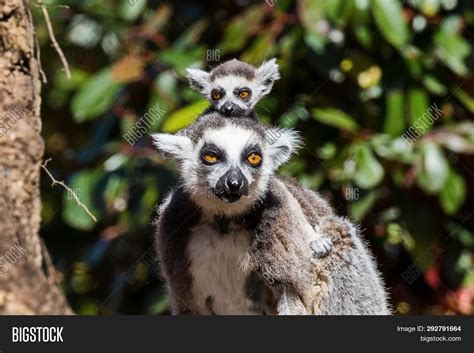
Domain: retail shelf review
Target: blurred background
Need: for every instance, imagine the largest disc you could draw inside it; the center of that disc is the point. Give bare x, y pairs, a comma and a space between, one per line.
382, 91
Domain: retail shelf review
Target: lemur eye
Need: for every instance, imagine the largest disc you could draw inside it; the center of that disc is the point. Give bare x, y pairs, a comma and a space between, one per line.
254, 159
244, 93
216, 94
210, 158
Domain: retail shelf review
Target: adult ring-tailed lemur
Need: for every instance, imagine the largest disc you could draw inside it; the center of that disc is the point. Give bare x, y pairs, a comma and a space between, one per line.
233, 238
234, 88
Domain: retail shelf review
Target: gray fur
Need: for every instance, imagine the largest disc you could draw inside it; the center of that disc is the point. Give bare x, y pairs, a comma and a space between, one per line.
276, 272
212, 120
233, 67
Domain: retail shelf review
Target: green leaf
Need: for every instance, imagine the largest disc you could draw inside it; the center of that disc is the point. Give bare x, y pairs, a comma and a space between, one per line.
363, 35
359, 208
115, 189
392, 148
336, 11
389, 18
95, 7
131, 10
394, 116
150, 197
315, 42
464, 98
418, 104
463, 235
429, 7
260, 49
369, 172
184, 116
434, 168
332, 8
360, 22
180, 60
82, 184
291, 117
311, 13
287, 46
453, 193
191, 36
160, 306
468, 281
345, 13
433, 85
239, 30
336, 118
451, 47
78, 77
95, 96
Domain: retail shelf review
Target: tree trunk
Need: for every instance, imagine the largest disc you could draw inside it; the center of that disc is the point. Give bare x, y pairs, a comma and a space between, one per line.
28, 282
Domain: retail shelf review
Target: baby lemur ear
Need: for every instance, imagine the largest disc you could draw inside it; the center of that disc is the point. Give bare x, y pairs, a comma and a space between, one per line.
267, 74
198, 79
282, 144
173, 146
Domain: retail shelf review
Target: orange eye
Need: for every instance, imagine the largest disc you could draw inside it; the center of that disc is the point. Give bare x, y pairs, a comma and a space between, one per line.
216, 95
210, 158
244, 94
254, 159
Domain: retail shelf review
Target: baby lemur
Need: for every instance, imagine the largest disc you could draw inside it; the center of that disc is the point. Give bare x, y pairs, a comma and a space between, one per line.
234, 88
245, 249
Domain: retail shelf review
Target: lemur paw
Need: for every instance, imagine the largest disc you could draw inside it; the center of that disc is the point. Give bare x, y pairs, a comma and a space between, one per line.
321, 246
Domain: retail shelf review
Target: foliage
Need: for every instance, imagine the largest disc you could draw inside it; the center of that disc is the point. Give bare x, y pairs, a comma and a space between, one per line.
381, 90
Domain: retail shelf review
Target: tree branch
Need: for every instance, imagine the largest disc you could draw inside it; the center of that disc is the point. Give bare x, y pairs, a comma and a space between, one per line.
58, 182
53, 38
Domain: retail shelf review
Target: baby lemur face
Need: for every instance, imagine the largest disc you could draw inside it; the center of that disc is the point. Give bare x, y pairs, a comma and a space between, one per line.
234, 87
227, 164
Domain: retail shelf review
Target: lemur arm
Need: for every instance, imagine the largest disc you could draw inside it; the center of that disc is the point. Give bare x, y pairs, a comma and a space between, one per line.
280, 251
315, 209
314, 206
331, 229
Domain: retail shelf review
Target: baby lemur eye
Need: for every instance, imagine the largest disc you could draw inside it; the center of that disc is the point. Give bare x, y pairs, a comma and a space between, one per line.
216, 94
254, 159
245, 93
210, 158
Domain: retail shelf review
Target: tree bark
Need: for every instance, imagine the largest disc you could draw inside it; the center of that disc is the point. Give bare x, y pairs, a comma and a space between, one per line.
28, 282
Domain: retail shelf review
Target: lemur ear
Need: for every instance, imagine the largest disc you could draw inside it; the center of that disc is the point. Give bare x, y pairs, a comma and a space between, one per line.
282, 144
198, 79
267, 74
173, 146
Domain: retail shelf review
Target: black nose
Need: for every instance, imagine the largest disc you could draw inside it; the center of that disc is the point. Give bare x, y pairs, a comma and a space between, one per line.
228, 108
232, 186
234, 181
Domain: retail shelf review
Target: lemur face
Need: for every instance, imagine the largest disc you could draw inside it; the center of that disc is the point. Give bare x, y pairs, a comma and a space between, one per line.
234, 87
233, 95
228, 168
230, 163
